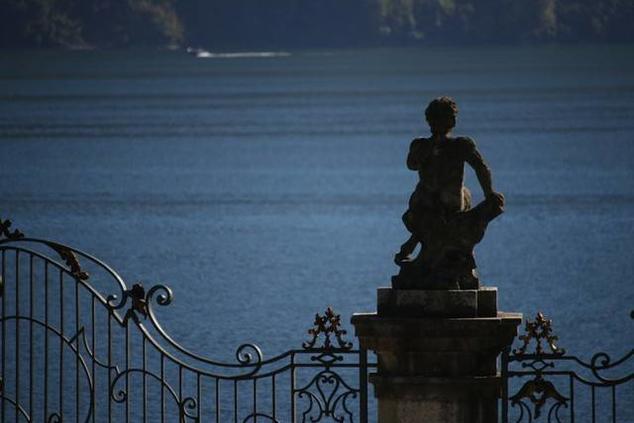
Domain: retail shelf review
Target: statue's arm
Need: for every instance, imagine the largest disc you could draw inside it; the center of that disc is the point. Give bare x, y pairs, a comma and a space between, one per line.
414, 156
475, 160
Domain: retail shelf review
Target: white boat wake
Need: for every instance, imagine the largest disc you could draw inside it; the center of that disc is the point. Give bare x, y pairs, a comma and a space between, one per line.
204, 54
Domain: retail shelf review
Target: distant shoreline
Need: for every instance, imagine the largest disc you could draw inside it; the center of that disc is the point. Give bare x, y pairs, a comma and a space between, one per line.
282, 51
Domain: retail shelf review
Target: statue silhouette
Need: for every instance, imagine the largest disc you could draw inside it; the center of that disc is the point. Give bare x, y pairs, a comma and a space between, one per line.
440, 217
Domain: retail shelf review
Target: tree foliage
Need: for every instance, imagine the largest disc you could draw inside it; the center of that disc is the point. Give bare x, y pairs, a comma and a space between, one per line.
305, 23
508, 21
79, 23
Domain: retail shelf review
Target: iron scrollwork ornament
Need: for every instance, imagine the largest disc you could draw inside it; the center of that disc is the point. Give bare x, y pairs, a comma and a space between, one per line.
139, 301
538, 391
327, 395
71, 260
5, 232
539, 330
327, 325
187, 406
64, 252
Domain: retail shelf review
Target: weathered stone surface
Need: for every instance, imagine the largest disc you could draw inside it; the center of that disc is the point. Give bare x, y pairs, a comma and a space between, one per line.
487, 301
437, 303
424, 399
422, 303
436, 388
437, 369
373, 325
436, 347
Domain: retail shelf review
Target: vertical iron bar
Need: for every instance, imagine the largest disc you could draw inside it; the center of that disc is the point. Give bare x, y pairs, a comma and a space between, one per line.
4, 306
144, 381
292, 387
363, 385
162, 388
181, 409
572, 400
255, 400
31, 382
46, 339
127, 375
273, 394
199, 398
235, 401
594, 414
504, 364
180, 383
110, 317
60, 386
217, 400
77, 355
613, 403
94, 353
17, 333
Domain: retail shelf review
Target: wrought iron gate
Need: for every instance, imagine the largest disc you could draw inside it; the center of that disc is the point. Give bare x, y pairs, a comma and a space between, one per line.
541, 382
74, 351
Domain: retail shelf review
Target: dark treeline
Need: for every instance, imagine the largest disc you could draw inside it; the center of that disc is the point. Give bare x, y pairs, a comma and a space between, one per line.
226, 24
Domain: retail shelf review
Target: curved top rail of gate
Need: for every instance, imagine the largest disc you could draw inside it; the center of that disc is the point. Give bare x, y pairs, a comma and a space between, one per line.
539, 349
138, 304
49, 289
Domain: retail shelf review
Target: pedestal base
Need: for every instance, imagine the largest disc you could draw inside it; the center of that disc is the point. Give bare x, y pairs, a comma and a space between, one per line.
480, 302
414, 400
436, 369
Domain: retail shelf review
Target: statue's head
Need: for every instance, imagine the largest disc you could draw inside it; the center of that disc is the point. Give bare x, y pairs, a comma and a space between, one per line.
441, 115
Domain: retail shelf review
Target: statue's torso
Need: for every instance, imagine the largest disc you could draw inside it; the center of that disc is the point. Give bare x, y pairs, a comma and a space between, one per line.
441, 172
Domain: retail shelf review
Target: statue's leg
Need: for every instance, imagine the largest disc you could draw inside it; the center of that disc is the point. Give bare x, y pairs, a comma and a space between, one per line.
473, 223
408, 247
406, 250
466, 229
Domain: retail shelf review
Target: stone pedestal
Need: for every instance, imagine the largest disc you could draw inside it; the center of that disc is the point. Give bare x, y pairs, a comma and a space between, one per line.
437, 354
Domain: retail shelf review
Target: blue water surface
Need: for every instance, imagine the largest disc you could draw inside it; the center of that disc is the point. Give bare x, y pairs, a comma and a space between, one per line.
264, 189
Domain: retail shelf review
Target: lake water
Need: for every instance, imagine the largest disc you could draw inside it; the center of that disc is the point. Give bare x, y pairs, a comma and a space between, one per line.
264, 189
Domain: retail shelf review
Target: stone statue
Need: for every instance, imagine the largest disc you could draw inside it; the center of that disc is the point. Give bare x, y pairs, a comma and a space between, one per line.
440, 217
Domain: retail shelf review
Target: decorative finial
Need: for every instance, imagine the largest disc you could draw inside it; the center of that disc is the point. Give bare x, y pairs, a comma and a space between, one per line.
138, 299
539, 329
137, 294
8, 234
328, 324
71, 260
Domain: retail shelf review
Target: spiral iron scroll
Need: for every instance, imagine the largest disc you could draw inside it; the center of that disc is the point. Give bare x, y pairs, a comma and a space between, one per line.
324, 398
602, 361
185, 405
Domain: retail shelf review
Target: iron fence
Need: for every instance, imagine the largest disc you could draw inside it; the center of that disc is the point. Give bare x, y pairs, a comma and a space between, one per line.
541, 382
73, 351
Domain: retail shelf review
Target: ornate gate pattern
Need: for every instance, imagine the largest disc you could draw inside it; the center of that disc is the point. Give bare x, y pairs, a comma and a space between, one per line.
549, 385
79, 345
